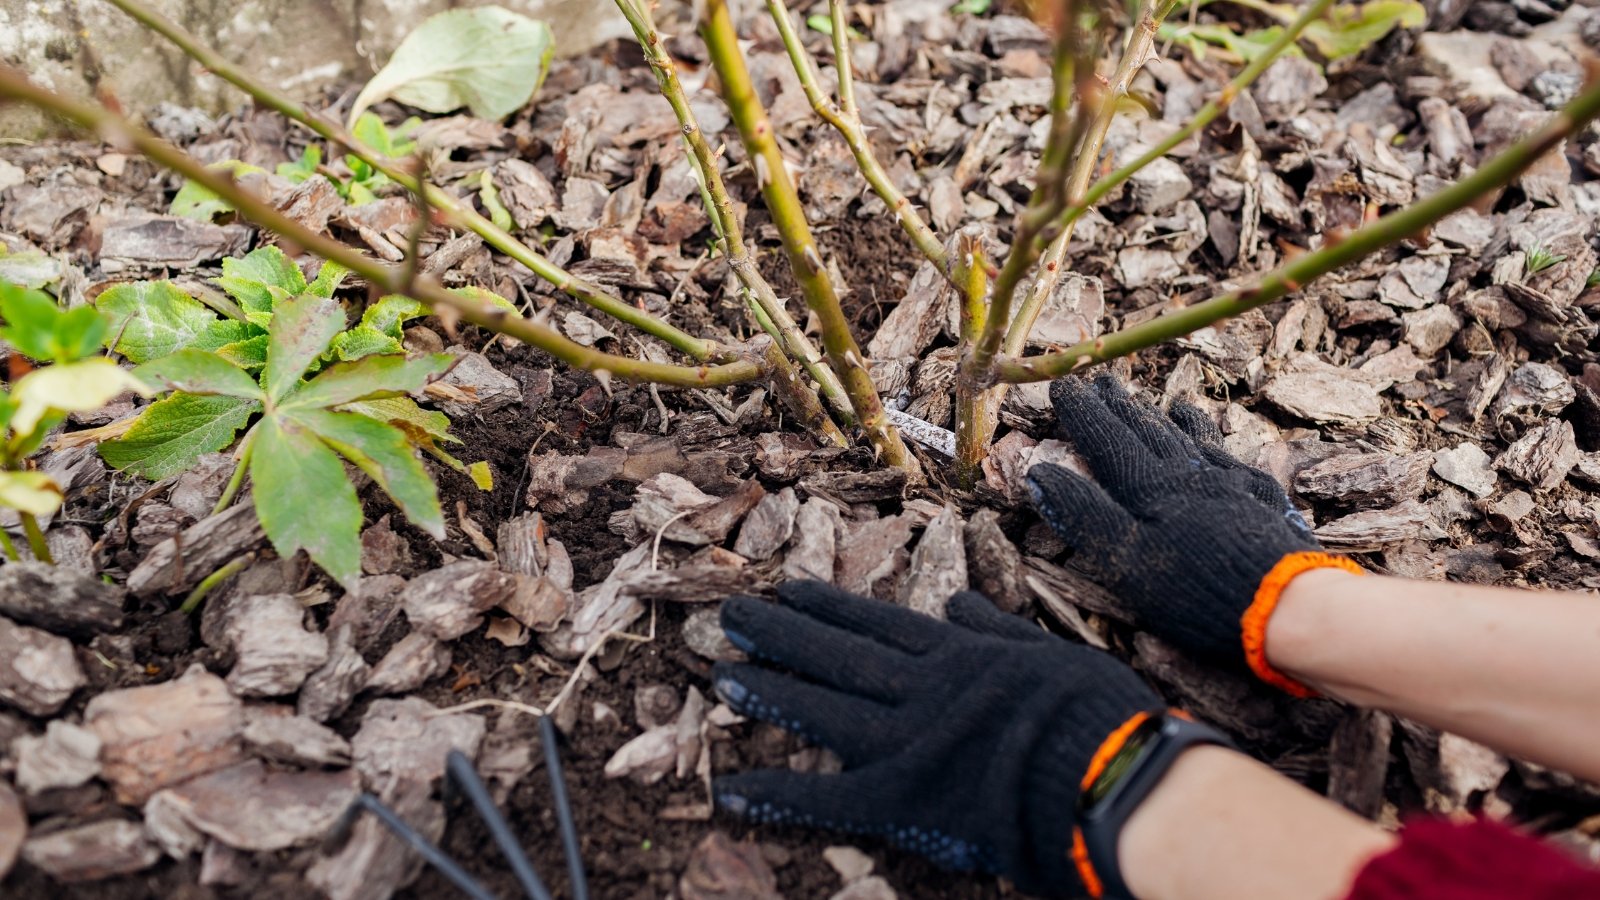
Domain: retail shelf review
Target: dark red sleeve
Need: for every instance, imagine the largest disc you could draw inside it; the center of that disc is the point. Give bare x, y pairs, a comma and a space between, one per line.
1476, 860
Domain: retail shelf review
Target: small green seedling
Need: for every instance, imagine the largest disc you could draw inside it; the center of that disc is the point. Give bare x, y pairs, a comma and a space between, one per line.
305, 420
1539, 259
364, 182
194, 201
1349, 28
74, 379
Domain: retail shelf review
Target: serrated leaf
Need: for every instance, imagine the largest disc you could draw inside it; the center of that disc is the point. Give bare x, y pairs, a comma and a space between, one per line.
196, 201
383, 452
302, 329
174, 432
43, 331
485, 58
391, 312
303, 498
423, 426
151, 319
329, 277
364, 340
34, 493
250, 279
368, 378
481, 475
200, 372
69, 387
249, 354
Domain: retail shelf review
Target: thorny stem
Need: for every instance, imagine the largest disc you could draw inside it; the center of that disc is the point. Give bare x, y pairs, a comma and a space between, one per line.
210, 582
845, 118
769, 310
1016, 339
455, 212
36, 541
236, 480
783, 203
117, 130
1399, 225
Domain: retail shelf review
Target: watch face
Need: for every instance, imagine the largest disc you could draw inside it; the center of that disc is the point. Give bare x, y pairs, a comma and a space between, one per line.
1131, 752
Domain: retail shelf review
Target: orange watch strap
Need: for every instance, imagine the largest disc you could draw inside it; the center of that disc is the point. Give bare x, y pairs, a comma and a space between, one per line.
1253, 624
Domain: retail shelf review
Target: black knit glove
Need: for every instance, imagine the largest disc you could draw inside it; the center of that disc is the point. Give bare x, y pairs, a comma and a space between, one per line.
1196, 543
964, 741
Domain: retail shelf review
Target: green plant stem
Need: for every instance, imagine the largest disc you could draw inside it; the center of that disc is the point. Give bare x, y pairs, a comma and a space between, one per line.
384, 277
783, 203
236, 480
770, 311
454, 212
9, 547
846, 119
1336, 252
210, 582
1028, 313
36, 541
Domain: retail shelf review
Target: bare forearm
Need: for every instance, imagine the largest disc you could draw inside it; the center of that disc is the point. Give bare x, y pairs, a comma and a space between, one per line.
1517, 670
1221, 825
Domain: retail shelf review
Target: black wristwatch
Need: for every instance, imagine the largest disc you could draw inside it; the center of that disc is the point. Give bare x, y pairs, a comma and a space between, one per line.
1106, 804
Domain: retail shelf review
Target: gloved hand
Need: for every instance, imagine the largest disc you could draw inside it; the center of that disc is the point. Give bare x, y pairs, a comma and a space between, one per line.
965, 741
1197, 544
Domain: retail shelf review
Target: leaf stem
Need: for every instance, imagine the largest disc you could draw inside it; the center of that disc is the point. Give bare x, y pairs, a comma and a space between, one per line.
783, 203
208, 584
16, 86
455, 212
36, 541
1335, 252
240, 466
9, 547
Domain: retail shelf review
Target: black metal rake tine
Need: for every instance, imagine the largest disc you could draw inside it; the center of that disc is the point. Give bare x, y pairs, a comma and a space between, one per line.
465, 778
563, 804
429, 851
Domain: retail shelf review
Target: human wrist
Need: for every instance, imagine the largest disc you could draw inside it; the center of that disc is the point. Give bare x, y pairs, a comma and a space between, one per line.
1299, 630
1260, 630
1166, 819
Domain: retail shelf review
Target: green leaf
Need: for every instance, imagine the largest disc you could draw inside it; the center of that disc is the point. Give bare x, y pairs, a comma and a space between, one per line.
43, 331
249, 354
364, 340
328, 279
498, 214
391, 312
482, 475
303, 498
383, 452
824, 23
67, 388
359, 194
390, 142
151, 319
302, 328
1350, 28
251, 280
200, 372
485, 58
304, 167
368, 378
423, 426
31, 270
172, 433
195, 201
34, 493
972, 7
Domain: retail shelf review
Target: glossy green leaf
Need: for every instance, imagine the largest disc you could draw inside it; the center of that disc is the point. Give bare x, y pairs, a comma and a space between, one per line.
368, 378
302, 328
304, 499
364, 340
69, 387
200, 372
150, 319
485, 58
34, 493
195, 201
172, 433
383, 452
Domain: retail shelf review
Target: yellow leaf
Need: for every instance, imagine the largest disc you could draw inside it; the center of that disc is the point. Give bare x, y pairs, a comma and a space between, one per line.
481, 476
70, 387
30, 492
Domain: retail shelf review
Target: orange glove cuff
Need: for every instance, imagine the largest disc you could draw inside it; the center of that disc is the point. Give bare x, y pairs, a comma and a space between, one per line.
1109, 748
1253, 624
